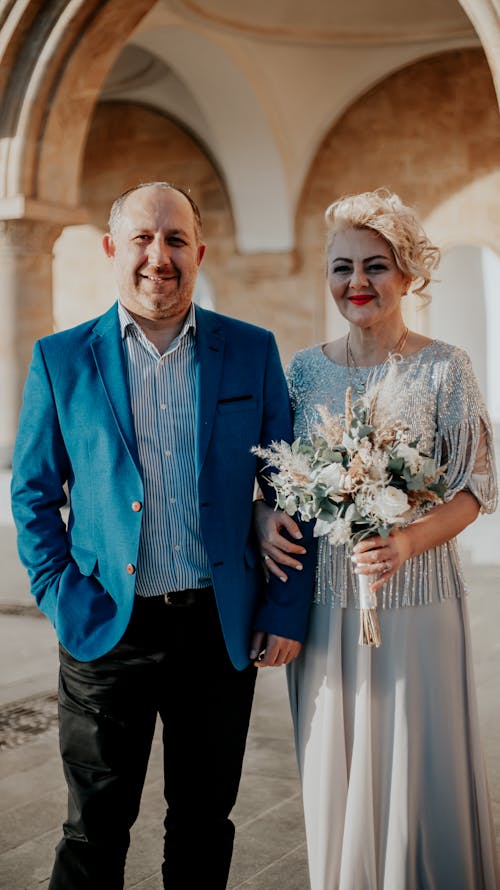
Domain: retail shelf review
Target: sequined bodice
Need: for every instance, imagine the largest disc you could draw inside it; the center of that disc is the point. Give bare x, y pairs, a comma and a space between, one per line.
434, 391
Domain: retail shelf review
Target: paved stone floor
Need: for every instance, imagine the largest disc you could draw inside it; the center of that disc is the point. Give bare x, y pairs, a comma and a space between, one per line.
270, 849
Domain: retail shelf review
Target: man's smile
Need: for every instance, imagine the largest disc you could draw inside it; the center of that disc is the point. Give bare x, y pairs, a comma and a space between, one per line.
158, 277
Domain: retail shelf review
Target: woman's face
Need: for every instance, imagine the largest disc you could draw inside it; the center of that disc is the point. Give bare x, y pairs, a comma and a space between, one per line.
364, 280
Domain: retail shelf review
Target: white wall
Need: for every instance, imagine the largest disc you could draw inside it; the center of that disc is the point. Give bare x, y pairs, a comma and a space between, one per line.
465, 310
457, 313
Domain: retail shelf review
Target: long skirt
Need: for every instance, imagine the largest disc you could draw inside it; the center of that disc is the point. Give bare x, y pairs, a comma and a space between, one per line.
394, 785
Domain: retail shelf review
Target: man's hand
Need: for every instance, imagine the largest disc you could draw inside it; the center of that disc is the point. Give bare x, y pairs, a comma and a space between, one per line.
269, 650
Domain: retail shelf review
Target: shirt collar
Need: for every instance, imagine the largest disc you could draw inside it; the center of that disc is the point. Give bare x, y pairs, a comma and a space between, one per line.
128, 324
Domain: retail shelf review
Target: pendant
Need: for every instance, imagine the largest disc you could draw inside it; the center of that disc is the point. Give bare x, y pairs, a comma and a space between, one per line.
360, 388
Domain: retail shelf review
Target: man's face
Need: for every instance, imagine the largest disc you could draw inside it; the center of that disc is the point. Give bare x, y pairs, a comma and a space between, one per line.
155, 254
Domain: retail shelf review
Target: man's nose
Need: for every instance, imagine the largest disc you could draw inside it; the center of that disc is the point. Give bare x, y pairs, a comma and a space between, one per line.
159, 252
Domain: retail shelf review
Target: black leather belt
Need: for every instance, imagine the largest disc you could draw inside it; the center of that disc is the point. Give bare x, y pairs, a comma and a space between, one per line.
191, 597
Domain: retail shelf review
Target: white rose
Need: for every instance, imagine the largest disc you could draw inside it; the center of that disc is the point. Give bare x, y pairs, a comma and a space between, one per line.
332, 477
390, 504
340, 531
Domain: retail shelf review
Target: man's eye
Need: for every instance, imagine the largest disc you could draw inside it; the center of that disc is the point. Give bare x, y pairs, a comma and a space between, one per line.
141, 238
176, 241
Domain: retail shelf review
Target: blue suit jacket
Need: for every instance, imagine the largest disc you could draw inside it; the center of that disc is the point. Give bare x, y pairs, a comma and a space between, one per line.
76, 434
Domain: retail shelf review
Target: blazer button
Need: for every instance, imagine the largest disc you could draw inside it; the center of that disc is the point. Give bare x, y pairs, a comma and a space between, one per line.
130, 569
136, 506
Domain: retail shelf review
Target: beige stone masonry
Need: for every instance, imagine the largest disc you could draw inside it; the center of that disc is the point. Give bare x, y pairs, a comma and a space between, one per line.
26, 260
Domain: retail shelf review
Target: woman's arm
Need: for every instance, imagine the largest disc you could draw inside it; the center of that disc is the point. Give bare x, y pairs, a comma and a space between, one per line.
373, 556
384, 556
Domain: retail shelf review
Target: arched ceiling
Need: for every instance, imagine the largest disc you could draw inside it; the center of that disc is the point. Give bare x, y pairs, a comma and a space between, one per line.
261, 94
358, 21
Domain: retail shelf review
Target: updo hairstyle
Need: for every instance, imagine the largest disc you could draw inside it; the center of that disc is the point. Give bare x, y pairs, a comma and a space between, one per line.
384, 213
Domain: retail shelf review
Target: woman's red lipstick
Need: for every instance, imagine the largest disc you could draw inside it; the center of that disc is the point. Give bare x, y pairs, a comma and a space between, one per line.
361, 299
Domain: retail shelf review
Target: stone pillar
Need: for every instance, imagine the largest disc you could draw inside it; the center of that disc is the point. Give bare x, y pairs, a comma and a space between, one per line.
26, 311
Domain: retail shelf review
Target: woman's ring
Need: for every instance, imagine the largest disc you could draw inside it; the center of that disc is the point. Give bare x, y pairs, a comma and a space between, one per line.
388, 565
265, 557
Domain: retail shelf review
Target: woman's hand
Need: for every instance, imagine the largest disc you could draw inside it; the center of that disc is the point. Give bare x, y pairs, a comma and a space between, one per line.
381, 557
276, 549
384, 556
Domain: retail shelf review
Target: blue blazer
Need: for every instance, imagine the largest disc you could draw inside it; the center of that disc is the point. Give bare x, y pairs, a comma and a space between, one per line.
76, 436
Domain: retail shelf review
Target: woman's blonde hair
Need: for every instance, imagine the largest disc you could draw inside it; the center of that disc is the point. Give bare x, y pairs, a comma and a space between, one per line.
384, 213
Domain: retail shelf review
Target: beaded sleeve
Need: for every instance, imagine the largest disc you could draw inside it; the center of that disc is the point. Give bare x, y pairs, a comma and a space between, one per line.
464, 437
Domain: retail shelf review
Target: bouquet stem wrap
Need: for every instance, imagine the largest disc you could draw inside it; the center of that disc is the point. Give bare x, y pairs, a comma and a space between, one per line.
369, 630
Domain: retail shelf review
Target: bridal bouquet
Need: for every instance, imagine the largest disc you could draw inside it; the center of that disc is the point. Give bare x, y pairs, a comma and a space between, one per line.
357, 477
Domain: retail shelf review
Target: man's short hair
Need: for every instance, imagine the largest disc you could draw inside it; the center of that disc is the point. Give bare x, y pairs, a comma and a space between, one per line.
117, 206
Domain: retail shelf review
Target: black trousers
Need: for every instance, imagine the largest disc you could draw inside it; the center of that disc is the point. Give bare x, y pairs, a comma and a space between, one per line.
172, 661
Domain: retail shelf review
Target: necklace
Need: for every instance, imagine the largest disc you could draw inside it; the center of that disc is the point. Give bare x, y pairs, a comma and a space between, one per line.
355, 375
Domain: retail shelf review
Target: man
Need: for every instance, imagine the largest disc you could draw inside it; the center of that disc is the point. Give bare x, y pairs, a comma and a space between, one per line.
147, 416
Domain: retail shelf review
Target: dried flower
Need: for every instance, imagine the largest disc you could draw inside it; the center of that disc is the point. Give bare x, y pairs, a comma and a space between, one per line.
354, 478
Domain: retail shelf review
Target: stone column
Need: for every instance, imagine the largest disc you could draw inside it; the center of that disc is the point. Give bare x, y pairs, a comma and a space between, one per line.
26, 312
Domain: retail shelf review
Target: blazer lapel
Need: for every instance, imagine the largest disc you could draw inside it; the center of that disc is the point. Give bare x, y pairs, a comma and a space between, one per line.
210, 354
107, 348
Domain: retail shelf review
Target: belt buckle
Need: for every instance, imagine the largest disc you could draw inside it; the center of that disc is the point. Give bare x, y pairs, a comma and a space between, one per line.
174, 598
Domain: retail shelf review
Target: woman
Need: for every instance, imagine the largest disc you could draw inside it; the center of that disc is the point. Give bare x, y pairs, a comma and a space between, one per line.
394, 787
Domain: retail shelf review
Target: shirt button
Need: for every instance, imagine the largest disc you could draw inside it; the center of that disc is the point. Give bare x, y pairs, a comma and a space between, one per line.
136, 506
177, 547
163, 406
168, 453
130, 569
173, 501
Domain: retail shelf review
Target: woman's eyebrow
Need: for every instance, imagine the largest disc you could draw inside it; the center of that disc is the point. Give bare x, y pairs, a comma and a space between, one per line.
377, 256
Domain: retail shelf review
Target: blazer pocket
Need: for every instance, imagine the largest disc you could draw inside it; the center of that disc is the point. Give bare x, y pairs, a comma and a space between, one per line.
86, 560
239, 403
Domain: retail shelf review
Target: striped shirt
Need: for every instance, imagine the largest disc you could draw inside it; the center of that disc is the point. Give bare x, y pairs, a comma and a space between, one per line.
171, 555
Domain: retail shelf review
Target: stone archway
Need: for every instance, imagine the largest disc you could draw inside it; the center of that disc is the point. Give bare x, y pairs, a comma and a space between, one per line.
54, 58
485, 16
58, 56
430, 131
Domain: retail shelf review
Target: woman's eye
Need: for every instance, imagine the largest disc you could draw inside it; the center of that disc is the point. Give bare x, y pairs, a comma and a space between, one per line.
341, 270
376, 267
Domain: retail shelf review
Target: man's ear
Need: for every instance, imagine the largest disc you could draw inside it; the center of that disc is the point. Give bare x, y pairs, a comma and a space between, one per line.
201, 251
108, 245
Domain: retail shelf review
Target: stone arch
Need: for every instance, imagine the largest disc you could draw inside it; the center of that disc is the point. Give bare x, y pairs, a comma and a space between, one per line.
484, 15
412, 133
242, 129
58, 55
129, 143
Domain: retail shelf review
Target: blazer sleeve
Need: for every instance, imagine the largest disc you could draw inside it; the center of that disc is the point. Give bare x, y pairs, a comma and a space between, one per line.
284, 606
41, 468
